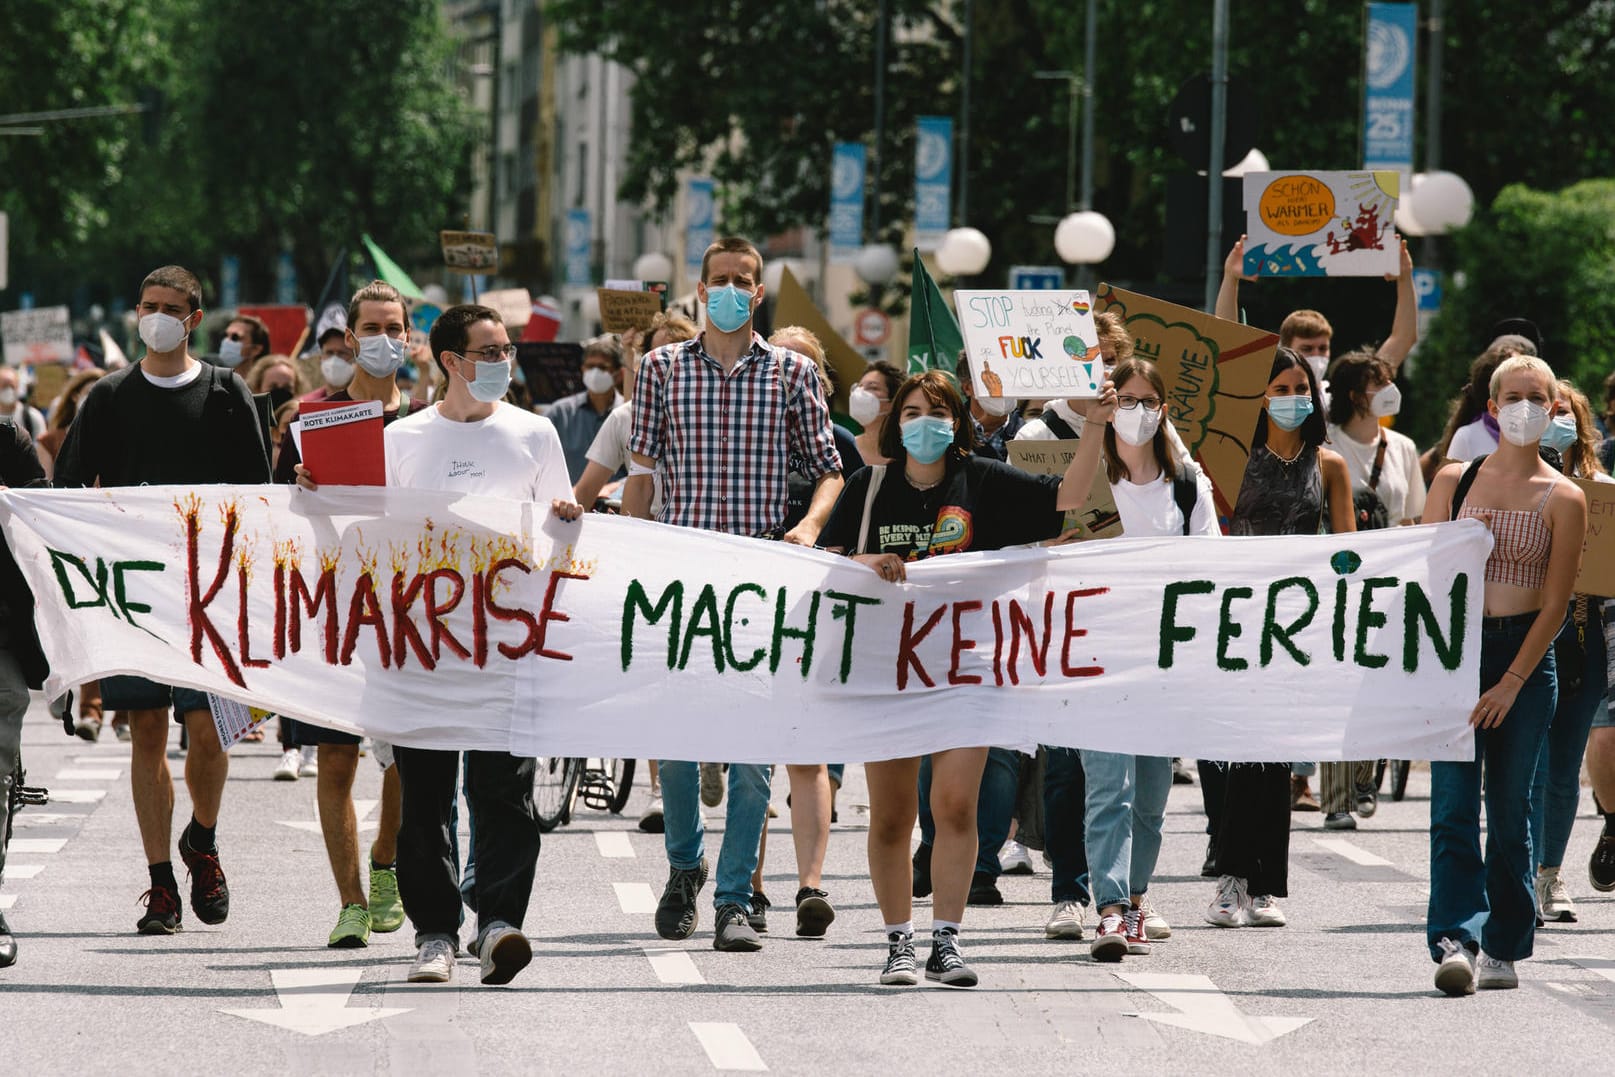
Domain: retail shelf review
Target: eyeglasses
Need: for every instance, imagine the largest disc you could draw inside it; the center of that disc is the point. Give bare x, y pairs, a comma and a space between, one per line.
1128, 403
235, 336
493, 353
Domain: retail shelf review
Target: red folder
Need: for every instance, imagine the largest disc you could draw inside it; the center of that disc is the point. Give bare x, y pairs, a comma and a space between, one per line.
345, 446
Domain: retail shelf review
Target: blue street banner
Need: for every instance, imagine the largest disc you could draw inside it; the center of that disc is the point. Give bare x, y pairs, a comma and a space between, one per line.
577, 248
229, 282
699, 231
285, 279
933, 180
1388, 69
846, 201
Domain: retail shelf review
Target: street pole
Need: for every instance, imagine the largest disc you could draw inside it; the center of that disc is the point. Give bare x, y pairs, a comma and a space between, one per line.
880, 119
1219, 117
1090, 51
1432, 117
961, 217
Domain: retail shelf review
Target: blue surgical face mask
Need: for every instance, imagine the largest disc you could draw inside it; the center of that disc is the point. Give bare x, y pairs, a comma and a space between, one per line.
927, 437
728, 308
1561, 433
381, 355
492, 380
1289, 412
230, 353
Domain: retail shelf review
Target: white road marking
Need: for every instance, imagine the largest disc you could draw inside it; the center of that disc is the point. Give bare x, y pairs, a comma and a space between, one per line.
7, 901
674, 967
635, 898
361, 808
88, 775
1203, 1008
613, 843
37, 845
1355, 853
314, 1001
101, 760
78, 796
23, 871
727, 1046
1600, 966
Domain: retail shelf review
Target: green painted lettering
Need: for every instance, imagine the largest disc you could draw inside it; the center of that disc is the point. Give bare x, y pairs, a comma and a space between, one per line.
1228, 628
636, 602
1416, 610
1368, 618
1272, 630
1173, 633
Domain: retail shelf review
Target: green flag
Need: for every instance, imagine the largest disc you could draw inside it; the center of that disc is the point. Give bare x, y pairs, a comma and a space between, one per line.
388, 270
934, 340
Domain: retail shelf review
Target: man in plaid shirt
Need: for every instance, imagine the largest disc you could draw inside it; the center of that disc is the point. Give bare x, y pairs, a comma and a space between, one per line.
725, 417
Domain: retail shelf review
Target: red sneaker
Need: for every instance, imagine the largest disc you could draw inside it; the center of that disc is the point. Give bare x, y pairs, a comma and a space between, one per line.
210, 895
1137, 940
1110, 939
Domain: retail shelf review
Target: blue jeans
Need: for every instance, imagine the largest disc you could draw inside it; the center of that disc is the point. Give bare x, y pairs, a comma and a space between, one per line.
745, 814
995, 806
1065, 824
1557, 790
1125, 809
1491, 902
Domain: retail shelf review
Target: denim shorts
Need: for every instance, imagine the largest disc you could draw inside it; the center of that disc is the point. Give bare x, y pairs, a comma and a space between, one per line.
139, 694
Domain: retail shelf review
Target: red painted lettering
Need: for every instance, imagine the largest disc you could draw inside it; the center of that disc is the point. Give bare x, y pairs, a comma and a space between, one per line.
404, 630
435, 612
365, 609
911, 639
549, 613
1021, 622
960, 645
1073, 632
199, 600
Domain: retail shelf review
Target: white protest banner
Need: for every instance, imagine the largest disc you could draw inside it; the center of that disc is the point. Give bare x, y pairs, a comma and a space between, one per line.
40, 335
458, 622
1037, 345
1321, 224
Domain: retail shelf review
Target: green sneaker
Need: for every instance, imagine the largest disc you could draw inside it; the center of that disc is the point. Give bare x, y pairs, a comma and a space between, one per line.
352, 928
386, 909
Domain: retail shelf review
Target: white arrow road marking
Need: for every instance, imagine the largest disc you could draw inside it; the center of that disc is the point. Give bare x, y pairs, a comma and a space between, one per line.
77, 796
613, 843
727, 1046
7, 901
315, 1001
37, 845
1203, 1008
674, 967
361, 808
1600, 966
87, 775
23, 871
635, 898
1355, 853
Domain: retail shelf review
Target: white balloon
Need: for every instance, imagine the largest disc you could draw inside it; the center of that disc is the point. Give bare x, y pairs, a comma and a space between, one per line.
964, 252
1443, 202
653, 266
876, 264
1084, 238
1406, 223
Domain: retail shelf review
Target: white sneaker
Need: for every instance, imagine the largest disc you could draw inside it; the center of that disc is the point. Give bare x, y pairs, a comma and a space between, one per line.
1265, 911
435, 963
504, 951
1456, 974
286, 769
1492, 974
1065, 922
1155, 925
1231, 906
310, 765
653, 822
1015, 859
1552, 899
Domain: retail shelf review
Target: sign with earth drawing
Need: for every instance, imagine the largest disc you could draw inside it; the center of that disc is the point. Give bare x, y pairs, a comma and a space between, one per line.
1032, 345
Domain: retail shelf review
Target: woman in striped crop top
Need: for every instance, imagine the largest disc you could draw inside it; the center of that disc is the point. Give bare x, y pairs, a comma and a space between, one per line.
1482, 910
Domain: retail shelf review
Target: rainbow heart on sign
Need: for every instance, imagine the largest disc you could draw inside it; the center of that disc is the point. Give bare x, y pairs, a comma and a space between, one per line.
1080, 306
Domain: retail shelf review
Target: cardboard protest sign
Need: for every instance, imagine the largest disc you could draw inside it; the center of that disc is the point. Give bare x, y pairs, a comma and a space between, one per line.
1097, 517
1216, 375
623, 311
49, 378
470, 252
553, 368
40, 335
515, 306
1039, 345
793, 306
1321, 224
1597, 575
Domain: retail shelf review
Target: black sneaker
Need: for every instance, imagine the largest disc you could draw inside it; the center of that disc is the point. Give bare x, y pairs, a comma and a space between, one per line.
901, 968
984, 890
946, 965
8, 946
1601, 865
210, 895
1340, 820
1208, 869
1367, 799
814, 912
734, 935
922, 871
162, 912
676, 914
758, 917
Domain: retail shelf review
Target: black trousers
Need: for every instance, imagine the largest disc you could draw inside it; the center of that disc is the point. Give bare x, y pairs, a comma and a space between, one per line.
1251, 823
505, 838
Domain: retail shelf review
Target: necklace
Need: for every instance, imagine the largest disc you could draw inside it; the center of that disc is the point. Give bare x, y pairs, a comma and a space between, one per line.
1287, 461
922, 486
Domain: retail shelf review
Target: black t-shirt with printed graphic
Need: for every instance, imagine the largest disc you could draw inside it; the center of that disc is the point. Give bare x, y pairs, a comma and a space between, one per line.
980, 504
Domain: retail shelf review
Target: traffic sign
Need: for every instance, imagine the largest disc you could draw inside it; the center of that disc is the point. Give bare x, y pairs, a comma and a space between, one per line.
871, 328
1036, 278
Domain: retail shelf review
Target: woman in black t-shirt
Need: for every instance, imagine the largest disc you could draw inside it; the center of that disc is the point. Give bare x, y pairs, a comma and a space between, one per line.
935, 497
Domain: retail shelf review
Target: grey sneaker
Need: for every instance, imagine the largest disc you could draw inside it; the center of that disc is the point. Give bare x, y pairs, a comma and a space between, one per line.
504, 951
676, 914
712, 784
1552, 899
1492, 974
435, 962
1455, 975
814, 912
734, 934
1065, 922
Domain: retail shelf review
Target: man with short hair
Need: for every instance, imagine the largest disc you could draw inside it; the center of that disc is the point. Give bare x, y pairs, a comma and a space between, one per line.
171, 420
14, 409
698, 409
245, 340
579, 417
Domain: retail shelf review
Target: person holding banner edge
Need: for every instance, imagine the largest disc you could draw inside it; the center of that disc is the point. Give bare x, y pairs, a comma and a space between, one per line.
1482, 910
937, 496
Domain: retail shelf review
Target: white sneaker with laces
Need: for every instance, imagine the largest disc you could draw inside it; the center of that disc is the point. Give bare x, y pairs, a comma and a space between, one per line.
1014, 859
1231, 906
1552, 899
1065, 922
1492, 974
435, 962
1265, 911
1455, 975
309, 765
286, 769
1155, 925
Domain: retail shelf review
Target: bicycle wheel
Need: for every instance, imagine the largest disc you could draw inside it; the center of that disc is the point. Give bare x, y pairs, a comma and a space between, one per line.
622, 782
555, 783
1399, 778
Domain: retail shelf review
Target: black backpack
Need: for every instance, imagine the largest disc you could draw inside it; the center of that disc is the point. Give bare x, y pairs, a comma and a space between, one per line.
1369, 510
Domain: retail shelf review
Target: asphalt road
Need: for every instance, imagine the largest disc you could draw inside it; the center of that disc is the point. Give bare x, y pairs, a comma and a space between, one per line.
1345, 988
